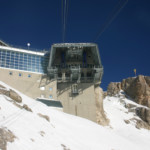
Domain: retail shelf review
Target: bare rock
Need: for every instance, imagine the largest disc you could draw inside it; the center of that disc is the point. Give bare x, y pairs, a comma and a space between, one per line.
130, 107
64, 147
1, 86
147, 78
32, 140
144, 114
27, 108
104, 94
138, 89
22, 107
141, 124
16, 104
10, 93
42, 133
44, 116
4, 92
113, 88
127, 121
100, 114
13, 95
5, 136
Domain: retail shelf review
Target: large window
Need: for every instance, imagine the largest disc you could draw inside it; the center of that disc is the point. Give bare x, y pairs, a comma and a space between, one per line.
23, 61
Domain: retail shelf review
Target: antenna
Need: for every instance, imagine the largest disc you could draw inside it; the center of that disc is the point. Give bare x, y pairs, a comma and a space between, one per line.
28, 44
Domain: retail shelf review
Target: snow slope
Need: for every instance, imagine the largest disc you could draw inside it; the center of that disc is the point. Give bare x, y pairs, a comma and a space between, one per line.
67, 132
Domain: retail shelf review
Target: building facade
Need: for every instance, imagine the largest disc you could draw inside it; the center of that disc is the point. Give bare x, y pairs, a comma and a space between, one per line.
24, 70
69, 73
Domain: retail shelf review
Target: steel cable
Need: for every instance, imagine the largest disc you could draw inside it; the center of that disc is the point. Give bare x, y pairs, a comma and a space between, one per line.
111, 17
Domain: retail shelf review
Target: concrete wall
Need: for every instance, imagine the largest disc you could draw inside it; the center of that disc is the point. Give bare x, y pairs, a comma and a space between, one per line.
82, 104
34, 86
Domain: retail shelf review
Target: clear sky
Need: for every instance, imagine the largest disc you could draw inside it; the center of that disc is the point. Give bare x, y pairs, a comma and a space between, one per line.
123, 46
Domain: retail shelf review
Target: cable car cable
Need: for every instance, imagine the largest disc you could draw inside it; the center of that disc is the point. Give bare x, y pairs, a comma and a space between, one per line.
110, 19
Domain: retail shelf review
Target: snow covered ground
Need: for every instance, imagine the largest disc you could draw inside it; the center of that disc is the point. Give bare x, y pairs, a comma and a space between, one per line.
67, 132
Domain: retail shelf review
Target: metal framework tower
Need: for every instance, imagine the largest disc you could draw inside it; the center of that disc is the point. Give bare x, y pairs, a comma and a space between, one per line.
75, 62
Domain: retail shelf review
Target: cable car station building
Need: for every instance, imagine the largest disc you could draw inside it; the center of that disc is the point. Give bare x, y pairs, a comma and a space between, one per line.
69, 73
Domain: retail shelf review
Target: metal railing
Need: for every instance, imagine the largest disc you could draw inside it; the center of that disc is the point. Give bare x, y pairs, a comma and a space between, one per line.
27, 48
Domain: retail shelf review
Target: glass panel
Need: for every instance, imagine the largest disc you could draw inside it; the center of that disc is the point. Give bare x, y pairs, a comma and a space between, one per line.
25, 56
17, 55
50, 96
23, 61
29, 76
20, 74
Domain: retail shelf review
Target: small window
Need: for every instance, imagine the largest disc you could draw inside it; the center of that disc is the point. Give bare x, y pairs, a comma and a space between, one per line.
20, 74
10, 73
50, 89
75, 89
29, 75
51, 96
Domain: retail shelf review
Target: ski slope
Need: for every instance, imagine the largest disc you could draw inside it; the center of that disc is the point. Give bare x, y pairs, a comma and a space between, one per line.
68, 132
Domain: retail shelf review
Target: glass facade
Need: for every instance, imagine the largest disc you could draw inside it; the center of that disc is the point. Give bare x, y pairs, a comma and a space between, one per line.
23, 61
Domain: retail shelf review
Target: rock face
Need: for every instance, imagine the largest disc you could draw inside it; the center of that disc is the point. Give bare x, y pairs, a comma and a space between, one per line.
10, 93
100, 114
44, 116
144, 114
27, 108
15, 96
5, 136
113, 88
137, 88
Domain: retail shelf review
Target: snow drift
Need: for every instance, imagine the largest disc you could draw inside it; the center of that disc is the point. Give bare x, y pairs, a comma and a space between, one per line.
66, 132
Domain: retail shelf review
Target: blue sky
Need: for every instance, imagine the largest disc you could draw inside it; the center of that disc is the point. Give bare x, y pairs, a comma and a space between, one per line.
124, 45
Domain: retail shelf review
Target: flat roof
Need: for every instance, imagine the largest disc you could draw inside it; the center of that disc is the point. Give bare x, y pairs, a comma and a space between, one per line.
74, 44
22, 50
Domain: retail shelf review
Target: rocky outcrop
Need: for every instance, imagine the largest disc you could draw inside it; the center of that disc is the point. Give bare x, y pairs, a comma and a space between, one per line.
5, 136
104, 94
44, 116
113, 88
140, 124
1, 86
4, 91
144, 114
137, 88
26, 107
13, 95
10, 93
100, 114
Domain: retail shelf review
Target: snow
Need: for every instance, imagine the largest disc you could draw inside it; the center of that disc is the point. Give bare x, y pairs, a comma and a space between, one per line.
69, 132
